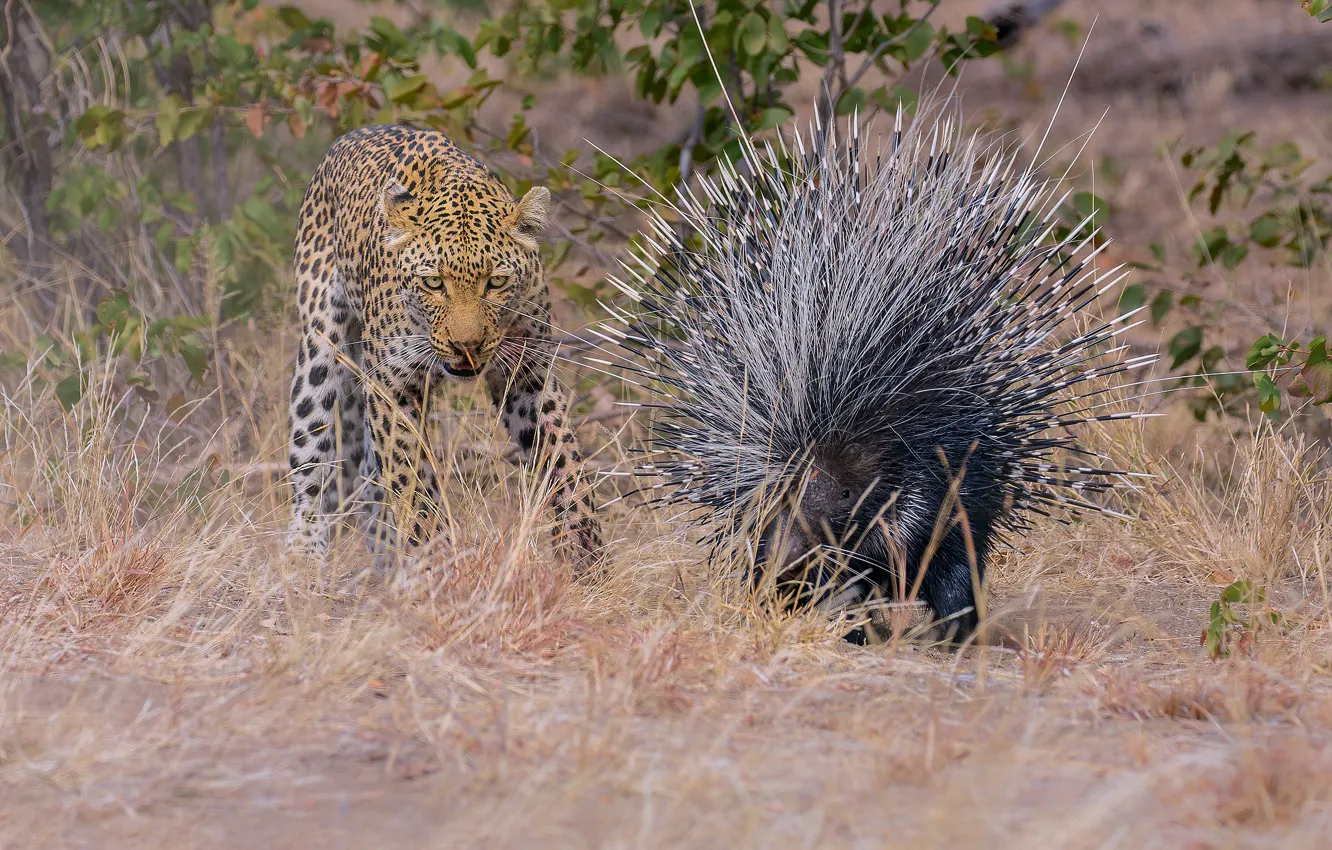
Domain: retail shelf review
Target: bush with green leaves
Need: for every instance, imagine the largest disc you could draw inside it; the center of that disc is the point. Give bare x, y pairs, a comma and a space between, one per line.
161, 149
1228, 628
133, 349
1282, 214
736, 59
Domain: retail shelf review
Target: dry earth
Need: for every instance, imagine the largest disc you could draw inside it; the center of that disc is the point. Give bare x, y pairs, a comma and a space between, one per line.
170, 681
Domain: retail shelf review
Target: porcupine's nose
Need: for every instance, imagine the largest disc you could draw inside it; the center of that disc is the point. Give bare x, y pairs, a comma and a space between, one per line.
785, 542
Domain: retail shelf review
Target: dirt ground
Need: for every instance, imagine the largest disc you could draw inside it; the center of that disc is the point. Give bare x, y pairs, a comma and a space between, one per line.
173, 681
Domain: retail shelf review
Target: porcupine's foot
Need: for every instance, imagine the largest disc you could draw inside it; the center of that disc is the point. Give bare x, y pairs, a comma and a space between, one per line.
857, 636
954, 633
949, 589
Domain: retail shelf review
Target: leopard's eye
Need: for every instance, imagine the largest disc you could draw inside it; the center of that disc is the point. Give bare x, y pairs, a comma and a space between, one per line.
496, 283
434, 283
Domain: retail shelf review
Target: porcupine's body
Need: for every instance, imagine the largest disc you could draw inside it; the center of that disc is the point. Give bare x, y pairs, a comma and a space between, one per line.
865, 353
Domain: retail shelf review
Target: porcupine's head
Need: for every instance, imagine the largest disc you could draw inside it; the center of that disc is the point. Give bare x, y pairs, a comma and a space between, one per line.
869, 351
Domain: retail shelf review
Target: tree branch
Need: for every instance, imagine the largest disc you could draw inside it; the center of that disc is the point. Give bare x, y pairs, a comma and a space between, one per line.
836, 67
878, 51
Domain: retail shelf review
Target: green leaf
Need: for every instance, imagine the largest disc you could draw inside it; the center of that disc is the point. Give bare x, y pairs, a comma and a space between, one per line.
293, 18
463, 47
192, 120
1185, 345
518, 132
1282, 155
1317, 350
814, 45
403, 88
1133, 297
1162, 304
391, 39
260, 212
233, 52
1231, 142
1269, 397
918, 41
980, 28
777, 34
1243, 591
1267, 230
1089, 206
649, 23
1158, 251
100, 126
1264, 352
168, 119
853, 100
52, 351
113, 312
690, 49
677, 78
1234, 254
69, 391
773, 116
194, 351
1317, 372
708, 86
900, 96
753, 33
559, 253
1210, 245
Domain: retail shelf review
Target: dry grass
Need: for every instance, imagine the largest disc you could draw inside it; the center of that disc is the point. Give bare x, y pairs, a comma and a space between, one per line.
171, 680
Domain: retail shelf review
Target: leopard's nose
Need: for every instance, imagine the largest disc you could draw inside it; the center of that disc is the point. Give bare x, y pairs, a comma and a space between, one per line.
469, 351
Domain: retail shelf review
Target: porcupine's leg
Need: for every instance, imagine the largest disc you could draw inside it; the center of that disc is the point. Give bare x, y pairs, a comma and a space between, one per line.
398, 463
532, 408
948, 587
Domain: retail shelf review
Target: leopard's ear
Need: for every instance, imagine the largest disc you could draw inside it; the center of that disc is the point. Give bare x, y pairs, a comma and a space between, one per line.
399, 207
531, 216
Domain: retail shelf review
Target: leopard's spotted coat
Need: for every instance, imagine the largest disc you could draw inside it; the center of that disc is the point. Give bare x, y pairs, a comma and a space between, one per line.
414, 263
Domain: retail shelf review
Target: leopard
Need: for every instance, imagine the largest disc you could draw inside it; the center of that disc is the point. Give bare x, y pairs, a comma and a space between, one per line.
415, 266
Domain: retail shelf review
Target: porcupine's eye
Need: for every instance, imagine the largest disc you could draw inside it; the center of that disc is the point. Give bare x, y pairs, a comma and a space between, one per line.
846, 494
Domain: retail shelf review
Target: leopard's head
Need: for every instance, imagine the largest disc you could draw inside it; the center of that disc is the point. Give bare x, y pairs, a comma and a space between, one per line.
467, 254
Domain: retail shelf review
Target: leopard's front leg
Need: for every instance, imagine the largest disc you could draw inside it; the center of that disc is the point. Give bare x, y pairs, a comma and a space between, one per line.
531, 406
396, 419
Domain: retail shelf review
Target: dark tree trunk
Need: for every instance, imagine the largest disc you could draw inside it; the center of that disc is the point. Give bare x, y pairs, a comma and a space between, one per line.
27, 158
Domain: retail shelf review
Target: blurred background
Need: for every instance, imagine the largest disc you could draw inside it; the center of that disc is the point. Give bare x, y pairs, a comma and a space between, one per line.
154, 152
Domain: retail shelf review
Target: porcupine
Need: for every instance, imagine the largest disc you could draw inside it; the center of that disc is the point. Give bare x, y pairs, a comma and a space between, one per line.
881, 346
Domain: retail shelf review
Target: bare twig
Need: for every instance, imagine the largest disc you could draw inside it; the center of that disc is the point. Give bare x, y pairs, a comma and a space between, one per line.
835, 70
691, 141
